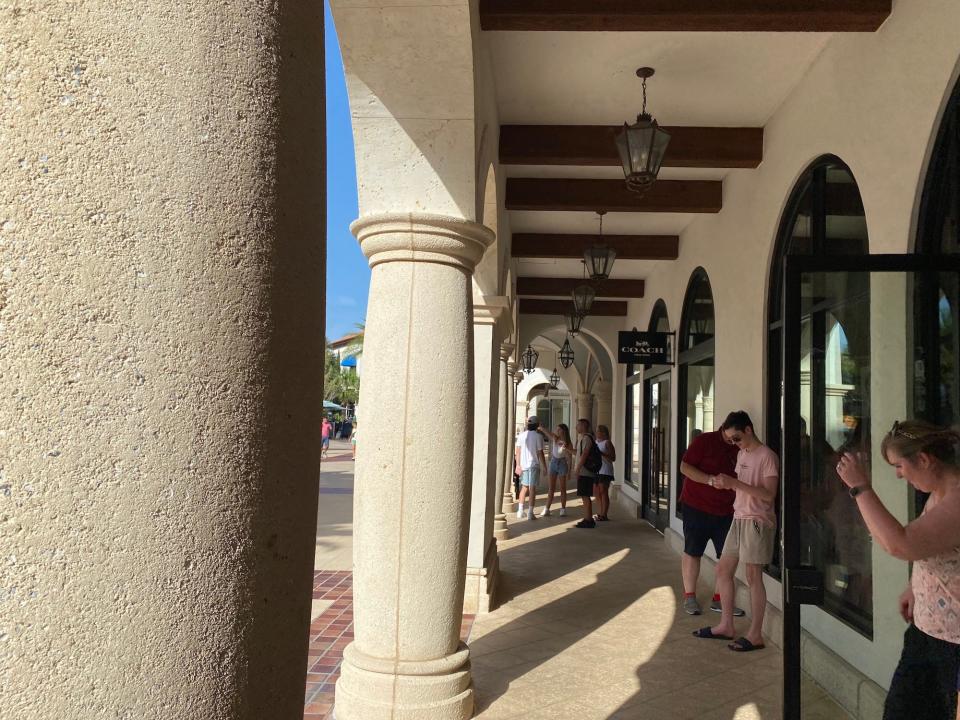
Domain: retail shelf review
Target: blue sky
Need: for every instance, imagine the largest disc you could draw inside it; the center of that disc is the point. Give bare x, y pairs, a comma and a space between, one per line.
348, 275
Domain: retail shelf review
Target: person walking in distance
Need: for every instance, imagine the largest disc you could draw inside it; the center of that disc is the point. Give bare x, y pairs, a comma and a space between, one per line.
326, 427
752, 531
561, 458
529, 461
707, 510
587, 467
605, 476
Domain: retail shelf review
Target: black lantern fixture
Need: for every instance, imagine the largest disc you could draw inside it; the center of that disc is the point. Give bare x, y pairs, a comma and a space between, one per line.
529, 359
599, 258
583, 296
554, 379
566, 354
574, 321
642, 145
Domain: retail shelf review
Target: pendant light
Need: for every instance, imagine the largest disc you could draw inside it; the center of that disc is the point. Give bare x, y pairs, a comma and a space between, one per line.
642, 145
566, 354
599, 258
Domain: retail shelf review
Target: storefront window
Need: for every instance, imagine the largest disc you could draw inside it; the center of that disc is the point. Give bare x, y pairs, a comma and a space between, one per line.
825, 217
696, 365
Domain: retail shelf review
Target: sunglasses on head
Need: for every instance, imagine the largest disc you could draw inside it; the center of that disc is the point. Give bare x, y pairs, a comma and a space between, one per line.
897, 430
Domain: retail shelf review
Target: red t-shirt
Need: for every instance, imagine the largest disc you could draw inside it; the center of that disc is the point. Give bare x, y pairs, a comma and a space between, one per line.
713, 455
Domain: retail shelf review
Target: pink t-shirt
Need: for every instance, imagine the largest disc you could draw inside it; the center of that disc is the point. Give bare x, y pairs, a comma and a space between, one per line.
325, 430
752, 468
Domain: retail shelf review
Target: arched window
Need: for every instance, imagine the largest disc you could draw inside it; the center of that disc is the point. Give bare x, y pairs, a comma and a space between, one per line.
936, 325
659, 321
695, 361
824, 216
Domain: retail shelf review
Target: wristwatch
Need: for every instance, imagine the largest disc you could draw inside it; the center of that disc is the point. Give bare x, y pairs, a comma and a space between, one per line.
854, 491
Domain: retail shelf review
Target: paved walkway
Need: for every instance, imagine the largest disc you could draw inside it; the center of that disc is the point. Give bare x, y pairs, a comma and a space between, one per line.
588, 627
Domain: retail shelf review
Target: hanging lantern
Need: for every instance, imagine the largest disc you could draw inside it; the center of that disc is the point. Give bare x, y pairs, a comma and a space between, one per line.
599, 258
529, 359
554, 379
583, 296
642, 145
574, 321
566, 354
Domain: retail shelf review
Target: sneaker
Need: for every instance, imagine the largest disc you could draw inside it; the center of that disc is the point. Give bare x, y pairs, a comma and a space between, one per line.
737, 612
530, 515
586, 524
563, 512
520, 513
691, 606
545, 512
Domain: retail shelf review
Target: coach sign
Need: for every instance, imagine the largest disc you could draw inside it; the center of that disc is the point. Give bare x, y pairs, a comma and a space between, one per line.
641, 348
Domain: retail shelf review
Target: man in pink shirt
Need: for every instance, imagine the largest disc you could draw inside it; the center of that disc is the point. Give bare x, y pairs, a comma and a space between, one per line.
326, 428
752, 533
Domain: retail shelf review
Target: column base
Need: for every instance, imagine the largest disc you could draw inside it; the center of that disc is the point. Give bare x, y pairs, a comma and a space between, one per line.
480, 591
500, 529
382, 689
509, 504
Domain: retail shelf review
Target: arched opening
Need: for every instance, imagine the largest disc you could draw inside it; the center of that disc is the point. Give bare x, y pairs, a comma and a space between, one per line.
936, 393
824, 216
695, 365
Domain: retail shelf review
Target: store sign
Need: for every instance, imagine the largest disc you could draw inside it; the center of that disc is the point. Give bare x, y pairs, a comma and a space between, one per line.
644, 347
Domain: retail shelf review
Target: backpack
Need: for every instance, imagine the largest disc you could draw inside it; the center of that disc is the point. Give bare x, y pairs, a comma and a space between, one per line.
594, 460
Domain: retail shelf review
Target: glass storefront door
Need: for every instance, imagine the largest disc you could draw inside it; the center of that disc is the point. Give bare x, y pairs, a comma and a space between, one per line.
851, 367
656, 468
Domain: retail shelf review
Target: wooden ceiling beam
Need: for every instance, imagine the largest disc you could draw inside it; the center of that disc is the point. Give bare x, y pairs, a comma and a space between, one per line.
608, 308
595, 146
588, 195
552, 286
628, 247
685, 15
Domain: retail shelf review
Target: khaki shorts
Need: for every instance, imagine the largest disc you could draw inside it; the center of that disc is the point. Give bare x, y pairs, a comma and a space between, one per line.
751, 540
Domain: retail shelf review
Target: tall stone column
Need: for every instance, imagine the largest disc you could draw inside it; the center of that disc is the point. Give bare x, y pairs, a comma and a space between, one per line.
489, 315
412, 485
603, 391
509, 502
500, 531
585, 407
161, 297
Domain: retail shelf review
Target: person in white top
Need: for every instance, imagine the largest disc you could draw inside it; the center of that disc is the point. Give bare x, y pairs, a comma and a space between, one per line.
602, 487
530, 461
561, 459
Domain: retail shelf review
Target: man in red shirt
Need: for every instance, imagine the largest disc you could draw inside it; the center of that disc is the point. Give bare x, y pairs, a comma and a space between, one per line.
707, 511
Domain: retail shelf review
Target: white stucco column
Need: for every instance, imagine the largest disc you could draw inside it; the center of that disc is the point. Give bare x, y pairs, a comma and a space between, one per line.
504, 433
585, 407
488, 319
603, 391
412, 484
509, 502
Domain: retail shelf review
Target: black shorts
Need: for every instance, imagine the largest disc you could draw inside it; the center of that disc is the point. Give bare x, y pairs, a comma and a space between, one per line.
585, 486
701, 527
605, 479
924, 683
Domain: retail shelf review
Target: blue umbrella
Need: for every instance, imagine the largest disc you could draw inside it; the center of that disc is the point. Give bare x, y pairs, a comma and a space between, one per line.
327, 405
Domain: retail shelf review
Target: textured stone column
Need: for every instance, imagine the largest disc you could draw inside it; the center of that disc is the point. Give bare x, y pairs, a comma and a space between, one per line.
585, 408
162, 254
488, 315
504, 432
412, 485
603, 391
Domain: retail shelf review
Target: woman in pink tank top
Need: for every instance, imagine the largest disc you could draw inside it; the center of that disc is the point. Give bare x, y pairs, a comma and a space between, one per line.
927, 679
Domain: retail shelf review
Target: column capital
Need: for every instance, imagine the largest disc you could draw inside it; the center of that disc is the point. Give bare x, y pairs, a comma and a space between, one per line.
506, 350
489, 310
421, 237
512, 367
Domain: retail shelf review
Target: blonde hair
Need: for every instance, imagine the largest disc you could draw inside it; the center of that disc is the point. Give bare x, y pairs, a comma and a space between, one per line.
603, 429
911, 437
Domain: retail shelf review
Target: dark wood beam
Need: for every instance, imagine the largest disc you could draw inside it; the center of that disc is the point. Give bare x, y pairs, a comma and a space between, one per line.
564, 286
560, 307
594, 145
628, 247
679, 196
685, 15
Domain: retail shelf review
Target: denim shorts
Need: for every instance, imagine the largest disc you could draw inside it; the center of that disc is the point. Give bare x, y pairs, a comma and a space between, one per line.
558, 466
530, 477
